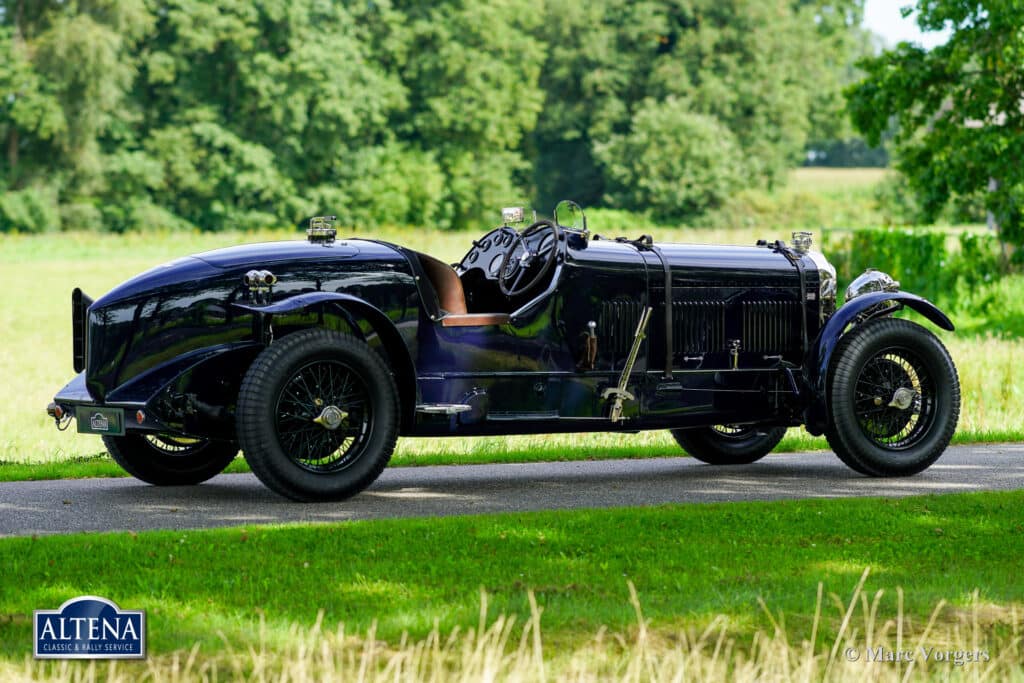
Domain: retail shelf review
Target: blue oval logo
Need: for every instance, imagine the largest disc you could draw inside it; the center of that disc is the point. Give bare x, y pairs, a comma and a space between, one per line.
89, 627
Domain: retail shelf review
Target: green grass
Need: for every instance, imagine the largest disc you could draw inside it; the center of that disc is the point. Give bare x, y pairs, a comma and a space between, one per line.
688, 563
416, 452
830, 182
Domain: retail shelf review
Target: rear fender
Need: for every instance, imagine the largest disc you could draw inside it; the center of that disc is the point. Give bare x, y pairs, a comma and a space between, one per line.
819, 356
191, 394
353, 309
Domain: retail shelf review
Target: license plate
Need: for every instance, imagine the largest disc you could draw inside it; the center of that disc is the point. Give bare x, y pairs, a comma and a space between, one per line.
93, 420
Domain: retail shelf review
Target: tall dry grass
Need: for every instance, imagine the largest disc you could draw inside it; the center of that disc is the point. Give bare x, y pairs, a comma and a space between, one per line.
498, 650
991, 373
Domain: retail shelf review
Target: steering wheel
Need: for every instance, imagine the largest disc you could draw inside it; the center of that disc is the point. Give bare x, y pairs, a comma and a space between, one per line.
538, 245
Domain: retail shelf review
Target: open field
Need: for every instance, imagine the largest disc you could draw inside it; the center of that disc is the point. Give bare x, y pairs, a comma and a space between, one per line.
40, 271
822, 180
695, 568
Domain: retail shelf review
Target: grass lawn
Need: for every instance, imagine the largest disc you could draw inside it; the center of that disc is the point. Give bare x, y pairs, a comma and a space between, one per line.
690, 564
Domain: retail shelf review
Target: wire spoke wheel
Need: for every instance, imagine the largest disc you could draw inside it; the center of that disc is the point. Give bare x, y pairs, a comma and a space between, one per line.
319, 388
166, 459
735, 432
173, 445
894, 399
318, 415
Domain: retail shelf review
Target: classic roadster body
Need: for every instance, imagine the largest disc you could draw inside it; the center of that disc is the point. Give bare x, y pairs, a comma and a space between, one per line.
313, 356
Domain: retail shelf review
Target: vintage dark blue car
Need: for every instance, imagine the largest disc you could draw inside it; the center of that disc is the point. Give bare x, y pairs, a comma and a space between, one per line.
314, 356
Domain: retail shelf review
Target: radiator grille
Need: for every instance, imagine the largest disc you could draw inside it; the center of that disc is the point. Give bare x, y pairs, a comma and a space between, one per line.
770, 326
698, 326
617, 325
706, 326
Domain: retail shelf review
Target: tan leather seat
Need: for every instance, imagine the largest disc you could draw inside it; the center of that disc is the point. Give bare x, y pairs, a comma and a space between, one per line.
452, 298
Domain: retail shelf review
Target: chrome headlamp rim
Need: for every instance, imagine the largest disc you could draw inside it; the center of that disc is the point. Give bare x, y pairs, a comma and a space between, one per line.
827, 284
871, 280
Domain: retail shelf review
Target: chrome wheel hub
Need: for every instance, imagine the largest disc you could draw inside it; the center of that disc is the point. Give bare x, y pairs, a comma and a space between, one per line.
903, 398
331, 417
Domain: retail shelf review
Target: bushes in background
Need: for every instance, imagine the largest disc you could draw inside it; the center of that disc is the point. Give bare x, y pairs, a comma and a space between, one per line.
922, 261
672, 163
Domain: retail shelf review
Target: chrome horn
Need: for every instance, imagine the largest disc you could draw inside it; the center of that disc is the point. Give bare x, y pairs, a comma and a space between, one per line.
258, 282
259, 278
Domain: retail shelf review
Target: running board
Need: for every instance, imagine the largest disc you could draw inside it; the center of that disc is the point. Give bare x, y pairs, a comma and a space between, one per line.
443, 408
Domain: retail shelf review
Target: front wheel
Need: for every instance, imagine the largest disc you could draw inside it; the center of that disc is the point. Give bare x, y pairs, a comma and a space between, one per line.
168, 460
894, 398
729, 444
317, 416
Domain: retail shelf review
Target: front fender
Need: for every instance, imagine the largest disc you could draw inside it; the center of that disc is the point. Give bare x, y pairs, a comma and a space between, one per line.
819, 356
351, 307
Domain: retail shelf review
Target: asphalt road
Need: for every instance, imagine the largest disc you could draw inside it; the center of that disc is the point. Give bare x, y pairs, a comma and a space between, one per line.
65, 506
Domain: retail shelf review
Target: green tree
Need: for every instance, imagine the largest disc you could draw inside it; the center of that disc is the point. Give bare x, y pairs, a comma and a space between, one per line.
771, 72
471, 71
186, 113
65, 69
674, 163
253, 111
841, 42
958, 108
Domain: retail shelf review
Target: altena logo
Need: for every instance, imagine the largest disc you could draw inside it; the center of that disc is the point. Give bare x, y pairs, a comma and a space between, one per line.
89, 627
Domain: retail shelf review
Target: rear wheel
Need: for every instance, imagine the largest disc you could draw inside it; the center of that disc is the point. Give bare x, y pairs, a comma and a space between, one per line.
894, 398
169, 460
318, 416
729, 444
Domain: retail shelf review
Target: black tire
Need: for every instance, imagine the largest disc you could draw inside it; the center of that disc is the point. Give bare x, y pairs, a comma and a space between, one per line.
167, 460
729, 445
894, 398
833, 439
284, 388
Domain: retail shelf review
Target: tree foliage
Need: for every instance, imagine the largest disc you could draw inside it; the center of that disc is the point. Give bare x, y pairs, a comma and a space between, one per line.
672, 161
122, 114
959, 108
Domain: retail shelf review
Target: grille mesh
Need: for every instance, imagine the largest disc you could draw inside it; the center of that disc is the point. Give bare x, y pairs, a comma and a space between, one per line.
617, 324
769, 326
698, 326
706, 326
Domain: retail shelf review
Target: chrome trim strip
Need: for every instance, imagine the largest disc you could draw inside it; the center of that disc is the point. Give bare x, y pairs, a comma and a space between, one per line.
443, 408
